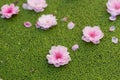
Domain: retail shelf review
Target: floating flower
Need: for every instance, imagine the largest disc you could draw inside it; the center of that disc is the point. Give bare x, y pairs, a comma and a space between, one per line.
71, 25
36, 5
58, 56
46, 21
113, 7
115, 40
112, 28
8, 11
27, 24
75, 47
92, 34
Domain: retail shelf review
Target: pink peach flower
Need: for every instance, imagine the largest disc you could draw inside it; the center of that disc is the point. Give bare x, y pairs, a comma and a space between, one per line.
36, 5
58, 56
46, 21
27, 24
113, 7
8, 11
92, 34
75, 47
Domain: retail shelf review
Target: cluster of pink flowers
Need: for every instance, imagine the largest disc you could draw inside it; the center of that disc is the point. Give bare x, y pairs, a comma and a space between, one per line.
58, 56
8, 11
36, 5
92, 34
46, 21
113, 7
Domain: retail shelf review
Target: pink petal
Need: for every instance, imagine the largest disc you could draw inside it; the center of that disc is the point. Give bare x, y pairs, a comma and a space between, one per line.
64, 19
85, 39
115, 40
96, 42
71, 25
75, 47
112, 18
112, 28
27, 24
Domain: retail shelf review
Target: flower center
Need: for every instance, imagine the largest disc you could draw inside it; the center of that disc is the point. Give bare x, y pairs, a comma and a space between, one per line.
58, 56
117, 6
92, 34
9, 10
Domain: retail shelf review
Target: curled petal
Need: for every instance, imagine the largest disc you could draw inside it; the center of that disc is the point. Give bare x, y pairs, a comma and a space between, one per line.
27, 24
71, 25
75, 47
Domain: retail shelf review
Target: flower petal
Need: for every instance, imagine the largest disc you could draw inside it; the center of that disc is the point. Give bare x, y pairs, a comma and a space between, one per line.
27, 24
71, 25
112, 28
64, 19
75, 47
115, 40
112, 18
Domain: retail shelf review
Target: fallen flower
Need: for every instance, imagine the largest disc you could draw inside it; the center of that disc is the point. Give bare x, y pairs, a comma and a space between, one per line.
58, 56
115, 40
113, 7
46, 21
92, 34
36, 5
75, 47
27, 24
8, 11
